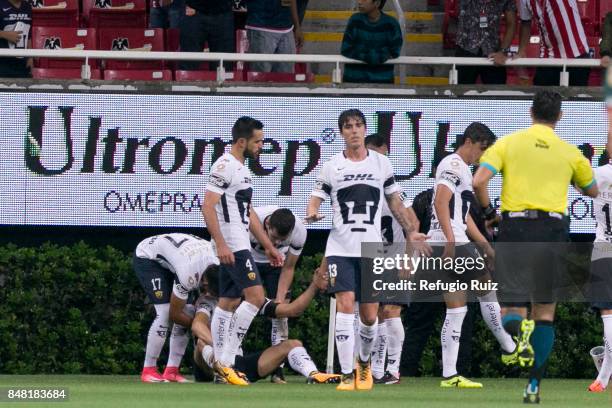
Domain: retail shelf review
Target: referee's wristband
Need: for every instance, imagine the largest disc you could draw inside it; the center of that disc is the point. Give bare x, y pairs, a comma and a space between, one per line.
489, 212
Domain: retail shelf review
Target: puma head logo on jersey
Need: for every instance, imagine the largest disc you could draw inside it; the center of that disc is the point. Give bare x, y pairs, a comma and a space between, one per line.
103, 4
120, 44
359, 177
52, 43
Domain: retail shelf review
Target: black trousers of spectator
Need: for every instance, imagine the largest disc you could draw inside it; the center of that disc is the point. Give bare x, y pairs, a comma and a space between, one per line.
470, 74
14, 68
302, 5
419, 324
216, 29
550, 76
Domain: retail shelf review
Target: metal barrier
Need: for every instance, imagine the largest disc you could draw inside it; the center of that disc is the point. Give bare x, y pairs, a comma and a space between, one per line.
86, 55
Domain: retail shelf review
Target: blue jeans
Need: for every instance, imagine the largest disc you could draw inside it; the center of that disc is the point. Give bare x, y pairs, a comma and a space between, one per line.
167, 17
216, 29
264, 42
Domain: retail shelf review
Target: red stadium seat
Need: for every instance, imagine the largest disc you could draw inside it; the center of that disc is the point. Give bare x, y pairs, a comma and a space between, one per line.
62, 73
181, 75
115, 13
589, 14
55, 13
279, 77
138, 75
56, 38
132, 39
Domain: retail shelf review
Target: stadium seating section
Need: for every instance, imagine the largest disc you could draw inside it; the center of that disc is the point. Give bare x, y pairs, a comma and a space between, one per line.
121, 25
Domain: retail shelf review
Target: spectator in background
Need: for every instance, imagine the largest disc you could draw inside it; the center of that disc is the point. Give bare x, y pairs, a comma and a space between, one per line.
166, 13
15, 24
273, 27
209, 21
605, 47
562, 36
373, 37
478, 36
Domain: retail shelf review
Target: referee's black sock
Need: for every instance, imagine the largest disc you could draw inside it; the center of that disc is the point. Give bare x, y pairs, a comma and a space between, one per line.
512, 324
542, 340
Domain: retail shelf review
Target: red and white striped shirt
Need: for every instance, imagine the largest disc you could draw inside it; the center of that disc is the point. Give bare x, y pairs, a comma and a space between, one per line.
561, 31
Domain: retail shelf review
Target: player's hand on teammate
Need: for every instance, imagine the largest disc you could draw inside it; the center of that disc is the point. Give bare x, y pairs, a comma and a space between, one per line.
225, 254
313, 217
321, 279
417, 244
275, 257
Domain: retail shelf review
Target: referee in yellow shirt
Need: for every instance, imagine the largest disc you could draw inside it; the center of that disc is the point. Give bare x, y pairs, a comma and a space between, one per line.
537, 168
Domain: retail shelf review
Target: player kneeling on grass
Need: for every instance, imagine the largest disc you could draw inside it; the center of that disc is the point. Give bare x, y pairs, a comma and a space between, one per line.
260, 364
168, 267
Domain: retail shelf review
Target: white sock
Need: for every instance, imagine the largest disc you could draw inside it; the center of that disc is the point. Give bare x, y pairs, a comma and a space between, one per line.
395, 341
606, 367
491, 313
157, 334
241, 320
356, 345
449, 337
208, 355
280, 331
219, 328
379, 352
178, 343
366, 339
300, 361
345, 341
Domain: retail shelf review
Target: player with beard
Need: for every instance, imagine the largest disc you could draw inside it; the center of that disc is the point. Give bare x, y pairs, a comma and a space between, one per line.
229, 219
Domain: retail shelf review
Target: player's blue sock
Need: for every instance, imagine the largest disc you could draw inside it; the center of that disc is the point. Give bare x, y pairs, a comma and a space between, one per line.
542, 340
512, 324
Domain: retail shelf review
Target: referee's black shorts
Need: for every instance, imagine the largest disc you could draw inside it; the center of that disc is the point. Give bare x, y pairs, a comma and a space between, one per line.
529, 260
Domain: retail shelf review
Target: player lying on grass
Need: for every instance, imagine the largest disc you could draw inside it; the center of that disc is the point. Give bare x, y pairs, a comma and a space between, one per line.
257, 365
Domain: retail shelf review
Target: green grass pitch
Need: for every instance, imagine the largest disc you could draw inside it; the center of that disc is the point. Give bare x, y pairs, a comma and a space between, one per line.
127, 391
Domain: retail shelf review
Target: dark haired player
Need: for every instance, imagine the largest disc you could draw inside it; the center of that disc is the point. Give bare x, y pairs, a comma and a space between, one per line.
229, 219
356, 180
288, 235
260, 364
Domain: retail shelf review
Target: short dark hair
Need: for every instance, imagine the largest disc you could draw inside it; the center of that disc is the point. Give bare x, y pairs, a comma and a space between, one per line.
382, 4
376, 140
244, 127
350, 114
283, 221
546, 106
477, 132
212, 279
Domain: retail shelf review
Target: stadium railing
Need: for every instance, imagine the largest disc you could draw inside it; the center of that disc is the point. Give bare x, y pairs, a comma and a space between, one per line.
453, 62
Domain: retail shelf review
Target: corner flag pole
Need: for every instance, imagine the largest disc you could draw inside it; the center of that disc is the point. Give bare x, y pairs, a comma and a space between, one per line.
330, 336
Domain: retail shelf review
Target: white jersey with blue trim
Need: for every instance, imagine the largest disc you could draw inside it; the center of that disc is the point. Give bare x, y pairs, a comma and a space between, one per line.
293, 244
186, 256
455, 174
357, 190
233, 181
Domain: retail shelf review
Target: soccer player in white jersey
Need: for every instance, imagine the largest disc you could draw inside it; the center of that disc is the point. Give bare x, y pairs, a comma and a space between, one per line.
168, 267
259, 364
600, 288
356, 180
390, 337
229, 219
288, 234
451, 225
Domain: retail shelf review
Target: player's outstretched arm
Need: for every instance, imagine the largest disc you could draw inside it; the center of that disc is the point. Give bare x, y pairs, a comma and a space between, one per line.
286, 276
312, 211
297, 307
224, 253
200, 328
